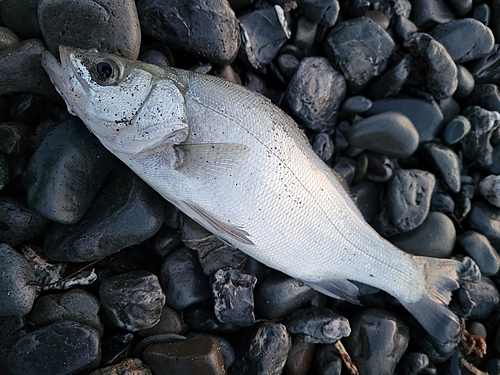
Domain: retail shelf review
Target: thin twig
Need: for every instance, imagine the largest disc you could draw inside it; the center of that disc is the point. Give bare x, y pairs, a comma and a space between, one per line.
346, 358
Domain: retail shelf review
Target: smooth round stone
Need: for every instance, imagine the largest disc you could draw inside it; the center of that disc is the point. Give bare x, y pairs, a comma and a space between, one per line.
7, 37
408, 198
4, 172
377, 342
279, 295
486, 96
16, 293
21, 17
183, 279
490, 189
391, 133
482, 13
461, 7
225, 346
435, 237
465, 39
315, 94
155, 57
300, 358
60, 348
447, 164
323, 146
437, 69
485, 295
133, 300
481, 251
346, 168
379, 17
193, 356
323, 12
465, 82
166, 241
18, 223
305, 33
361, 49
450, 109
288, 64
227, 73
485, 219
327, 360
428, 13
115, 26
456, 129
355, 105
129, 366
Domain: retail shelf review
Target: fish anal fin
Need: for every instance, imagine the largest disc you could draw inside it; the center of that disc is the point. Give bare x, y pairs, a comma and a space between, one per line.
337, 288
200, 160
217, 225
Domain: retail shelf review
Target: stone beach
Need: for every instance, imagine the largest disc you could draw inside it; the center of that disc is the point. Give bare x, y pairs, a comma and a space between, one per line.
99, 275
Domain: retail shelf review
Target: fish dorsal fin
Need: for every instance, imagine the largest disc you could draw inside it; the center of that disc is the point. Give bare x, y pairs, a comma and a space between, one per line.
337, 288
217, 225
214, 159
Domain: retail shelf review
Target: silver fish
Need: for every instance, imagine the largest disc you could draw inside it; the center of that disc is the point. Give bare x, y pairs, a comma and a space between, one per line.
241, 168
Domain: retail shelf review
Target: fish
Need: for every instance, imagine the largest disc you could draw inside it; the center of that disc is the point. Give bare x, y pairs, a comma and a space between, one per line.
242, 168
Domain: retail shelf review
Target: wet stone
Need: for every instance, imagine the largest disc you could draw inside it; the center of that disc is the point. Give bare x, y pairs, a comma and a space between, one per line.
435, 237
12, 329
21, 17
18, 223
485, 219
446, 162
490, 189
346, 168
322, 12
361, 49
166, 241
410, 195
476, 145
170, 322
225, 346
485, 295
355, 105
433, 65
486, 96
76, 305
279, 295
183, 279
117, 347
465, 82
456, 130
429, 13
317, 325
315, 94
481, 251
133, 300
327, 360
366, 197
414, 364
201, 317
465, 39
377, 342
65, 172
17, 295
390, 133
129, 366
322, 144
60, 348
299, 358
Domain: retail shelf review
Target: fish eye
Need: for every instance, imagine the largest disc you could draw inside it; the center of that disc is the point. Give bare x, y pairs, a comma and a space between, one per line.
106, 71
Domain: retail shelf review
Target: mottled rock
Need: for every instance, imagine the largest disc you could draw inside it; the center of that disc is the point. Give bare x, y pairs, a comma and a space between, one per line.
20, 16
129, 366
490, 189
456, 129
429, 13
446, 162
324, 12
481, 251
323, 146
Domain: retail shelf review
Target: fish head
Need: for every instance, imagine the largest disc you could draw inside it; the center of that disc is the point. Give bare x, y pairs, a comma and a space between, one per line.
129, 105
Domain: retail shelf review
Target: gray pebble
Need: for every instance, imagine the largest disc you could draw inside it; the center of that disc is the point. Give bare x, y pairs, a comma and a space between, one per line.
115, 25
355, 105
133, 300
305, 33
486, 96
456, 129
366, 196
429, 13
447, 164
485, 295
315, 94
465, 82
380, 167
481, 251
166, 241
7, 37
61, 348
324, 12
482, 13
346, 168
414, 364
461, 7
323, 146
155, 57
225, 346
442, 202
379, 17
390, 133
16, 273
490, 189
391, 82
485, 70
409, 193
21, 17
288, 64
327, 360
76, 305
435, 237
449, 108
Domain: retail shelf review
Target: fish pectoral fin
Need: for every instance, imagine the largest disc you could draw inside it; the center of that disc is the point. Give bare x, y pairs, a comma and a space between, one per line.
216, 225
337, 288
214, 159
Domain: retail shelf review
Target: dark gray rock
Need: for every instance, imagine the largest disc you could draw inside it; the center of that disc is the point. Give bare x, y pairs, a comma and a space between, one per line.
429, 13
315, 94
403, 28
4, 172
490, 189
183, 280
166, 241
16, 273
446, 162
279, 295
201, 317
360, 49
456, 129
433, 65
155, 57
435, 237
305, 33
380, 167
323, 146
170, 323
485, 70
317, 325
355, 105
225, 346
327, 360
482, 13
21, 17
133, 300
324, 12
346, 168
442, 202
232, 291
287, 64
465, 82
12, 329
14, 137
115, 26
485, 295
66, 172
377, 342
354, 8
476, 145
60, 348
76, 305
125, 212
414, 364
486, 96
409, 195
379, 18
465, 39
18, 223
481, 251
485, 219
366, 196
391, 82
390, 133
450, 109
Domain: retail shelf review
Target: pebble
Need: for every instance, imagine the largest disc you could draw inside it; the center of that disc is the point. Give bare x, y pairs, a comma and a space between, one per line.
63, 177
115, 26
201, 356
12, 329
482, 13
346, 168
232, 292
465, 39
433, 65
225, 346
490, 189
486, 96
300, 358
414, 364
361, 49
377, 342
117, 347
456, 130
322, 12
429, 13
435, 237
288, 64
305, 33
323, 146
129, 366
170, 323
166, 241
379, 17
446, 162
410, 193
466, 82
485, 295
14, 137
63, 347
183, 279
132, 300
76, 305
485, 219
327, 360
4, 172
450, 109
442, 202
366, 196
21, 17
355, 105
201, 317
315, 93
485, 70
380, 167
391, 134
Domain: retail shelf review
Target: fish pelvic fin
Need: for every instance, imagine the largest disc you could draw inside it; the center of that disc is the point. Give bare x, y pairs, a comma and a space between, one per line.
442, 276
337, 288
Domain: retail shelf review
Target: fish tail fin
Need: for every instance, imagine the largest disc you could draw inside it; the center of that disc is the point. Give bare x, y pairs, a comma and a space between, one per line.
442, 276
